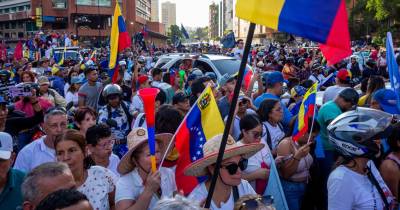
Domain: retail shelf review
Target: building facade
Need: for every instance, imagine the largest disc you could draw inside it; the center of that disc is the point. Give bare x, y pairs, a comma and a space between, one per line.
155, 10
168, 14
86, 18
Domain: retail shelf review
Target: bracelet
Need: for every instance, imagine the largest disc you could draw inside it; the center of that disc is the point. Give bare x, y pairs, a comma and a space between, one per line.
34, 102
296, 159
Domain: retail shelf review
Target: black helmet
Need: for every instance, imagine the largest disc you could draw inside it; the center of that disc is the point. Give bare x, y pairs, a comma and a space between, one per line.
112, 89
353, 133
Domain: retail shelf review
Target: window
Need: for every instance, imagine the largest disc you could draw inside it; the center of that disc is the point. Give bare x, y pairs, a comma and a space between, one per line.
13, 25
20, 25
13, 9
21, 8
7, 10
6, 26
106, 3
59, 4
20, 34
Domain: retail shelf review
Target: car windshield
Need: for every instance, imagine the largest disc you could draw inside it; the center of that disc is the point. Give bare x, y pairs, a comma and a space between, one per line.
162, 62
68, 55
227, 66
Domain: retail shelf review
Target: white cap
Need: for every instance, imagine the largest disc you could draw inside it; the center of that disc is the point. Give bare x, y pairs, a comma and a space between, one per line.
122, 63
6, 146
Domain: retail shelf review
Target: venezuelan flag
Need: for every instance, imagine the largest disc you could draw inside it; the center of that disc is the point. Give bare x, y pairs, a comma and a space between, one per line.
119, 39
306, 112
323, 21
201, 123
61, 62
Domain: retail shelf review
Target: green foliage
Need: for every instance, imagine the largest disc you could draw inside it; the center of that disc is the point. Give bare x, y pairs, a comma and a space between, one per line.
378, 8
174, 31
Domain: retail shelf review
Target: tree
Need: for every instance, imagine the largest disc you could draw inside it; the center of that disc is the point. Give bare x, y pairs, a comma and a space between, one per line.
373, 17
174, 31
201, 33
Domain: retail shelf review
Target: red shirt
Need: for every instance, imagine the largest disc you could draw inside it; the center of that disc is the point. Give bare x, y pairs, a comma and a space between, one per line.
27, 108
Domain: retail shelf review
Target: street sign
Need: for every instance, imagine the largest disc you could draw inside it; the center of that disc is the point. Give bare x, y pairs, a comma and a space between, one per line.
39, 20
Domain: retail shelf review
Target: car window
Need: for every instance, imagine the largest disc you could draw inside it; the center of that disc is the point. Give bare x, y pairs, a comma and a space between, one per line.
162, 62
176, 64
227, 66
203, 66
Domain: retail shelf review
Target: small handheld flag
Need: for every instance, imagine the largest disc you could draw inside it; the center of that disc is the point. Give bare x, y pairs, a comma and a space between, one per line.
184, 32
148, 96
307, 111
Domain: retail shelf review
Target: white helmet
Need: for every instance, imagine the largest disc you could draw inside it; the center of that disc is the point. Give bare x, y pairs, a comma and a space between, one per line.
353, 132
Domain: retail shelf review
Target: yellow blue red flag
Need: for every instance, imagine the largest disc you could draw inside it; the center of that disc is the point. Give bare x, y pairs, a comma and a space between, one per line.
201, 124
306, 112
323, 21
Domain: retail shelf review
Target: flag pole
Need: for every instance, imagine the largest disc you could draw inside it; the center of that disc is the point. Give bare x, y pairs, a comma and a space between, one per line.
231, 113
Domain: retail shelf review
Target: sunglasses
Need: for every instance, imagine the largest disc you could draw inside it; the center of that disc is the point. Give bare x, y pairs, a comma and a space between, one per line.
255, 202
233, 167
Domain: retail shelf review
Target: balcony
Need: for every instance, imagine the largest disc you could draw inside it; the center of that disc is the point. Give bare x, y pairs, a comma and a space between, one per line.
16, 16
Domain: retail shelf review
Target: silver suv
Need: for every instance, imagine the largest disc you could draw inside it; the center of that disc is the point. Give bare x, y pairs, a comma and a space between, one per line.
218, 64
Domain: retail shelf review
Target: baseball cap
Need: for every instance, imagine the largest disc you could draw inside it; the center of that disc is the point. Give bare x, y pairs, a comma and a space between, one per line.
43, 80
349, 95
7, 65
274, 77
76, 80
298, 91
387, 100
344, 75
54, 70
179, 97
122, 63
6, 146
142, 79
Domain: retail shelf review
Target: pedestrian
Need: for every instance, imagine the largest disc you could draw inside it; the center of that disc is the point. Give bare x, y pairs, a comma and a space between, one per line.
71, 149
374, 83
50, 94
274, 89
90, 92
229, 186
294, 170
10, 179
55, 122
65, 199
100, 142
227, 83
84, 118
43, 180
355, 140
343, 79
181, 102
71, 97
258, 166
138, 187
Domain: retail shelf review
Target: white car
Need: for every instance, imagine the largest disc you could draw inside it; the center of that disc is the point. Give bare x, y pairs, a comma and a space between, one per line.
218, 64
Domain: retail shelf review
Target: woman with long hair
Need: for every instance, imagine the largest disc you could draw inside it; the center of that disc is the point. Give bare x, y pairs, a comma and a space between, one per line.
257, 171
271, 115
96, 182
356, 183
374, 83
84, 118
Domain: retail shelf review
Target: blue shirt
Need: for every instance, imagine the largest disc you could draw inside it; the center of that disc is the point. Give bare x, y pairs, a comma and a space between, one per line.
286, 113
11, 196
58, 83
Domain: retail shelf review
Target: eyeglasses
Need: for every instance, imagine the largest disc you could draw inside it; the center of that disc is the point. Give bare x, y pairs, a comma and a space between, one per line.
255, 202
108, 144
233, 167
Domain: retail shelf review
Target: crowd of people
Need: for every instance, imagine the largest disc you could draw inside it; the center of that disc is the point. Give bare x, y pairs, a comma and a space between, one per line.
72, 138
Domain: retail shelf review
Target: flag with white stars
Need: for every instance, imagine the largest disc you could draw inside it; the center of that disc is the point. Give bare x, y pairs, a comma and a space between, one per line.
201, 123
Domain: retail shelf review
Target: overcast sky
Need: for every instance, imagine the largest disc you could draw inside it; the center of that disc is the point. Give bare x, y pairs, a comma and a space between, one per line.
191, 13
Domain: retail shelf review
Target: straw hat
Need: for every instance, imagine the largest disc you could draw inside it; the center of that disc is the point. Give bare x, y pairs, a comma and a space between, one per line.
137, 137
210, 154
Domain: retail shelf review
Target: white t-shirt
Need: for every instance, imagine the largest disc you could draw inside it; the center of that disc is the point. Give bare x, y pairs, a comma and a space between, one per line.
98, 184
136, 105
72, 97
200, 193
113, 165
361, 195
331, 92
238, 53
34, 154
275, 132
254, 162
130, 186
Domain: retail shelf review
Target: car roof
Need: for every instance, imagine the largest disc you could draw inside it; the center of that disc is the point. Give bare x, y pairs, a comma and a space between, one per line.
204, 56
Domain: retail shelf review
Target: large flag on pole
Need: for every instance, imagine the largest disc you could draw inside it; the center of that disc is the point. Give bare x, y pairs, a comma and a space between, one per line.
18, 51
119, 37
228, 41
318, 20
61, 62
307, 111
201, 124
184, 32
393, 68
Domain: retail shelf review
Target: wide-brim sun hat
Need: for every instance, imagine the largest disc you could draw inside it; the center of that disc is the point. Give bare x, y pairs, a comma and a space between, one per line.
135, 138
210, 154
